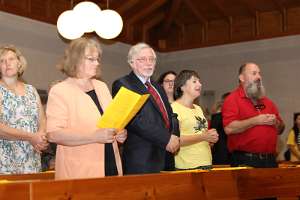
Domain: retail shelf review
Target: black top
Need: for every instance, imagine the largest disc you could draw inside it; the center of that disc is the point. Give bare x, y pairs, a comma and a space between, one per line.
110, 162
220, 153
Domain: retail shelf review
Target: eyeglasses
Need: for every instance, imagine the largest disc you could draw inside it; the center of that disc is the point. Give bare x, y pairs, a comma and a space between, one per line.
91, 59
145, 59
169, 81
260, 106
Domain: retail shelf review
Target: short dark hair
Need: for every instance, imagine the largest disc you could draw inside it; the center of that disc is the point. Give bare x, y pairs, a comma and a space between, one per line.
181, 79
296, 114
295, 128
223, 97
161, 78
242, 68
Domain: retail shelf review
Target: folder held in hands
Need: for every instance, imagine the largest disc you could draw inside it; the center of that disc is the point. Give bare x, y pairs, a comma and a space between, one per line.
122, 109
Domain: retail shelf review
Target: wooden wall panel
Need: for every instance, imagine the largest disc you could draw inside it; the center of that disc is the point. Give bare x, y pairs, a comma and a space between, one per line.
293, 19
175, 38
218, 31
243, 28
270, 23
224, 23
56, 8
193, 34
39, 9
16, 6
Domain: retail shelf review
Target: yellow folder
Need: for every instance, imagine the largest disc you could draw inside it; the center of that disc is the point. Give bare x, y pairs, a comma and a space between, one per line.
122, 109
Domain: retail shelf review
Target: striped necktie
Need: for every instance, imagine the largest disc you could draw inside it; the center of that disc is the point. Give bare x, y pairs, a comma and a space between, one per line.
159, 103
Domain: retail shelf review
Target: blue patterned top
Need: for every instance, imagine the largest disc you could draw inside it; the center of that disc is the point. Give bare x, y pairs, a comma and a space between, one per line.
21, 112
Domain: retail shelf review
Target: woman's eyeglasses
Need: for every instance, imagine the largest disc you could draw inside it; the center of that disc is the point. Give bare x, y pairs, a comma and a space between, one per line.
169, 81
91, 59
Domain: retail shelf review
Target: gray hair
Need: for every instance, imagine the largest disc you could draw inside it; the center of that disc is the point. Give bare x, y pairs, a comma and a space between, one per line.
134, 50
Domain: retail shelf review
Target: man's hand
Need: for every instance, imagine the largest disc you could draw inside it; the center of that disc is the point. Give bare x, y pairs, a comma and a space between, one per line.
265, 119
174, 144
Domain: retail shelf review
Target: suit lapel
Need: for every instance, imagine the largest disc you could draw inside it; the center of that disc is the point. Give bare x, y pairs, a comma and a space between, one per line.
142, 89
139, 87
137, 84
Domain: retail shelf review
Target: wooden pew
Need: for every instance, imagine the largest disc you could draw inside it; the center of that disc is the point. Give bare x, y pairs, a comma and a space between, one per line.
37, 176
158, 186
226, 185
15, 187
279, 182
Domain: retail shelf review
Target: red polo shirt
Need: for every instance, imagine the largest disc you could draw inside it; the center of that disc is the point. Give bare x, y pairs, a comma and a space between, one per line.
258, 139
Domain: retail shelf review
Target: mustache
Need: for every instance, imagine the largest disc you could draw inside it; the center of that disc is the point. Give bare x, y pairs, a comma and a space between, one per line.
258, 82
255, 90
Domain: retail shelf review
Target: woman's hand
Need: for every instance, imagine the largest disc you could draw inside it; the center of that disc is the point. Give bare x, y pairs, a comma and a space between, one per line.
121, 136
211, 136
105, 135
39, 141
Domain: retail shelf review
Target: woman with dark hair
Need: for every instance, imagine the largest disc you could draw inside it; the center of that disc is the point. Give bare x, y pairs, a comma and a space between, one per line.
195, 138
166, 80
293, 140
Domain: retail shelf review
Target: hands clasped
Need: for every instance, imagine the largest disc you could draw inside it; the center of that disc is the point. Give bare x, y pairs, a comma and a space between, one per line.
266, 119
39, 141
211, 136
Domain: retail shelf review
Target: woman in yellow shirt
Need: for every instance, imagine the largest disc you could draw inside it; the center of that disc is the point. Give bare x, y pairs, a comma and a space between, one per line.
195, 138
293, 140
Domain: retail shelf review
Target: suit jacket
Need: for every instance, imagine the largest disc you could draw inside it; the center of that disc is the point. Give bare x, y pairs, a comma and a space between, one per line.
145, 148
69, 107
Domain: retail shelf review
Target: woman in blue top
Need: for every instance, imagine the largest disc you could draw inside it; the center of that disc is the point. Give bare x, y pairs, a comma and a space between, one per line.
22, 120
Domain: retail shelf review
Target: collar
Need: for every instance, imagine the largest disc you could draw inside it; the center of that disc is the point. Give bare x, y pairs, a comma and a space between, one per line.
142, 79
241, 91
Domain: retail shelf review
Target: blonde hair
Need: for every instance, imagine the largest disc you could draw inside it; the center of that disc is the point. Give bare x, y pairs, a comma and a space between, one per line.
19, 55
74, 54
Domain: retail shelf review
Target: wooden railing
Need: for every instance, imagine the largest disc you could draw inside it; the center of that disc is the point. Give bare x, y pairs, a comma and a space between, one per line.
283, 183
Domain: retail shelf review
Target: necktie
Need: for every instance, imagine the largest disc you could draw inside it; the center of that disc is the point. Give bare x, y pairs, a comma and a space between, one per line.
159, 103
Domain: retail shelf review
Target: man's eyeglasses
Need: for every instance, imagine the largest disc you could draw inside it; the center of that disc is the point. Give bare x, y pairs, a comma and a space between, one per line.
260, 106
91, 59
145, 59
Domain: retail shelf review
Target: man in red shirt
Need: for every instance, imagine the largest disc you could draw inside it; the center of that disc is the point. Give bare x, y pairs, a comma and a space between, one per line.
251, 121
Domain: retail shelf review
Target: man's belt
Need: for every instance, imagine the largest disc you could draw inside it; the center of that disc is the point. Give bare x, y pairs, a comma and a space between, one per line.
260, 156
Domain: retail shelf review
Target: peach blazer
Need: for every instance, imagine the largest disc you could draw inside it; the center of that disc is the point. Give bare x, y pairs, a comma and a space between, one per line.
69, 107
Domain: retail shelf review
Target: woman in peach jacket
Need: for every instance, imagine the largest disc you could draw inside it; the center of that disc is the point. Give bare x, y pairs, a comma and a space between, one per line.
74, 107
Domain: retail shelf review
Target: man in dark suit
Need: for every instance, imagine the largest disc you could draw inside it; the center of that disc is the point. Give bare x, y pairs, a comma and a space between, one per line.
150, 137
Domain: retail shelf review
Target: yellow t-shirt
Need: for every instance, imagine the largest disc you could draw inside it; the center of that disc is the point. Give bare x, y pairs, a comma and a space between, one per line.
191, 122
291, 141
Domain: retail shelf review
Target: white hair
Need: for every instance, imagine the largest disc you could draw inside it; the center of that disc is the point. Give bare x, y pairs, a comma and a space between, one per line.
135, 50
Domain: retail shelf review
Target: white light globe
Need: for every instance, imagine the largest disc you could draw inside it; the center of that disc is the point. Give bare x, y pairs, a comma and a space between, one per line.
67, 25
109, 24
88, 11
